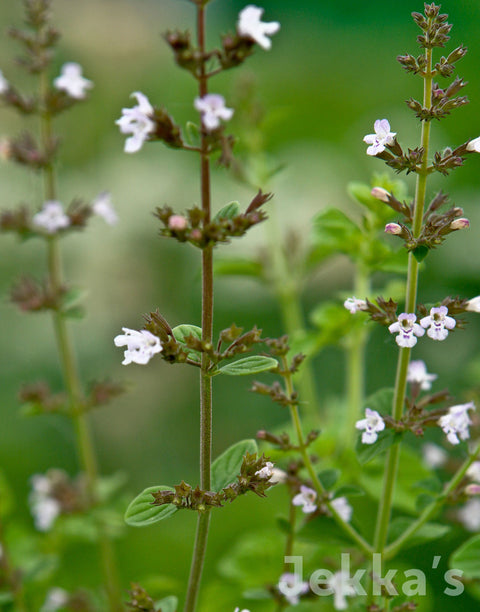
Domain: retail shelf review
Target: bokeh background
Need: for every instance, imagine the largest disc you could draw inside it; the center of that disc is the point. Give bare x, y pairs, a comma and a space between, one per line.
331, 73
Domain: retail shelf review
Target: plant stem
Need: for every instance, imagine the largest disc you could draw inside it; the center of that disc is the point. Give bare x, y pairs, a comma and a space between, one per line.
203, 520
71, 377
12, 576
391, 469
317, 485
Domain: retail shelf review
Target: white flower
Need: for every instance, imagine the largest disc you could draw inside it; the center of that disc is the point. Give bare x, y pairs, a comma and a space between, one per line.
473, 305
372, 424
407, 329
342, 508
212, 108
138, 122
250, 25
291, 587
4, 84
44, 507
266, 471
438, 323
278, 476
238, 610
473, 471
51, 218
474, 145
383, 137
56, 598
306, 498
470, 514
342, 587
434, 456
352, 304
103, 207
141, 345
455, 423
418, 375
72, 82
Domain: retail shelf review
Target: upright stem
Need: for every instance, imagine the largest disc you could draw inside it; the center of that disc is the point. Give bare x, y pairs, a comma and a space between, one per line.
391, 469
203, 521
71, 376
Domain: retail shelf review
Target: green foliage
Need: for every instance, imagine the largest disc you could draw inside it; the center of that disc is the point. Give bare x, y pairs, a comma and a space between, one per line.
141, 511
167, 604
181, 332
237, 266
429, 531
227, 466
249, 365
467, 558
228, 211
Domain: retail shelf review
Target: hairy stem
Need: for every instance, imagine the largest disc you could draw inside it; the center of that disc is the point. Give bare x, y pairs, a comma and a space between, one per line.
203, 521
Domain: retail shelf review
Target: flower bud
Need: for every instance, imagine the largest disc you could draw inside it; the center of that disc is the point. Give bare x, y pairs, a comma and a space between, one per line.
458, 224
472, 489
380, 193
393, 228
473, 305
177, 222
474, 145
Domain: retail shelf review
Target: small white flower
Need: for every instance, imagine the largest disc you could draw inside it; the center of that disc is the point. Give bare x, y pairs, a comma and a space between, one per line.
418, 375
407, 330
456, 422
44, 507
342, 587
250, 25
474, 145
306, 498
473, 305
434, 456
4, 84
238, 610
278, 476
212, 108
72, 82
138, 122
103, 207
141, 345
51, 218
438, 323
469, 514
56, 598
291, 587
383, 137
372, 424
343, 508
473, 472
352, 304
266, 471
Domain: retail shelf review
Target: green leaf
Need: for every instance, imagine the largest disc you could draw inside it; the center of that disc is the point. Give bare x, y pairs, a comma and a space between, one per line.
420, 252
142, 512
333, 233
249, 365
429, 531
328, 478
192, 133
226, 467
283, 524
167, 604
325, 530
381, 400
183, 331
467, 558
237, 267
349, 491
386, 439
228, 211
71, 306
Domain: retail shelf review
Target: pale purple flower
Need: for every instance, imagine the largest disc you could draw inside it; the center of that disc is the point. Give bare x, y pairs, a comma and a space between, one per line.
4, 84
393, 228
137, 121
103, 207
72, 82
340, 584
456, 422
474, 145
342, 508
438, 323
266, 471
417, 374
383, 137
141, 345
51, 218
473, 305
291, 586
352, 304
306, 498
372, 424
434, 456
250, 25
407, 330
212, 109
473, 471
469, 514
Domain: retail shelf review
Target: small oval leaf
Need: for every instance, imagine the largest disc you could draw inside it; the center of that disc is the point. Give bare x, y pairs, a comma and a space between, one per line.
467, 558
249, 365
142, 512
228, 211
226, 467
167, 604
183, 331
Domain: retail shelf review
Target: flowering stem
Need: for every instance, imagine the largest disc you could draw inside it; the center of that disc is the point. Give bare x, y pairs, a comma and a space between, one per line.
432, 508
391, 469
317, 485
203, 521
70, 373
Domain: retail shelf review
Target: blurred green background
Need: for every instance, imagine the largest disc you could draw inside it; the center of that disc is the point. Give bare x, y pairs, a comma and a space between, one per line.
331, 73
